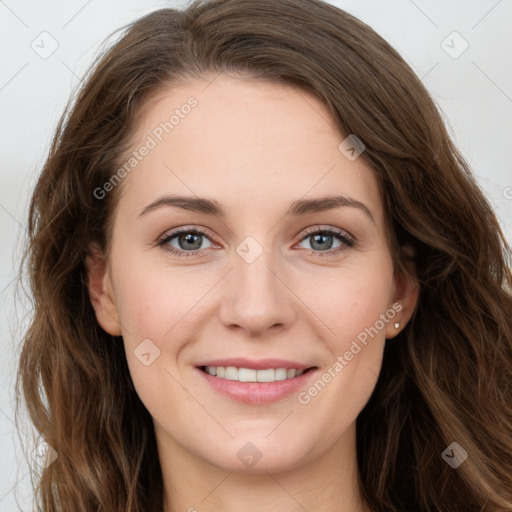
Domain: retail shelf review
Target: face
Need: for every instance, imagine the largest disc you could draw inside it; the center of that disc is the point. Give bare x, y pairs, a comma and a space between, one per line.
266, 276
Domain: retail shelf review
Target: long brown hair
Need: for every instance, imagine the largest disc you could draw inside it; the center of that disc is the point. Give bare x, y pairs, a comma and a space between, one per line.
445, 378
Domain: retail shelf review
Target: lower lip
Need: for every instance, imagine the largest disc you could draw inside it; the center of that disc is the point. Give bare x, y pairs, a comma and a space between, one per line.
257, 393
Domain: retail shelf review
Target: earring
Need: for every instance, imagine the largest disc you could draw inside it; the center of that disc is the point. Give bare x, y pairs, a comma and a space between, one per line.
397, 325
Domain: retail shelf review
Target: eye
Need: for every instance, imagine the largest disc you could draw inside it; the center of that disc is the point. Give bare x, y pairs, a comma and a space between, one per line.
322, 240
188, 241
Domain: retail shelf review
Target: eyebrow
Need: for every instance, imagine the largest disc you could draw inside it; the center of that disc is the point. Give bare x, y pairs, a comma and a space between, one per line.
297, 208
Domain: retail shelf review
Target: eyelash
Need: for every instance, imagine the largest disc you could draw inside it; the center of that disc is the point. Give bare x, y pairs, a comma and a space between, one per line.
342, 236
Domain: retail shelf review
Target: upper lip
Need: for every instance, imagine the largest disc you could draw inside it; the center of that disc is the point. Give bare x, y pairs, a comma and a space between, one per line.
260, 364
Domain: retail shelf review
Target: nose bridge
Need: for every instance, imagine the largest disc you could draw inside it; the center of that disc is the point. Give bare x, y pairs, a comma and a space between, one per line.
258, 298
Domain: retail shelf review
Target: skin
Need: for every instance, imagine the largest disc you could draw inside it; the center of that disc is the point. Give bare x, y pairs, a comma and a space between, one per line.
255, 147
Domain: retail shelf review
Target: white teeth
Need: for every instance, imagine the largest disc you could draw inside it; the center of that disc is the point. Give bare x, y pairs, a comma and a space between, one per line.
251, 375
246, 375
265, 375
231, 373
280, 374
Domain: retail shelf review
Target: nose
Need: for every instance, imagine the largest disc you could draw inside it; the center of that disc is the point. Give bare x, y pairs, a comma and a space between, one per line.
257, 297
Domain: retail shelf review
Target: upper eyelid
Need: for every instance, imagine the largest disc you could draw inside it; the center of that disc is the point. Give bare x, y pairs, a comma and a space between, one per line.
177, 231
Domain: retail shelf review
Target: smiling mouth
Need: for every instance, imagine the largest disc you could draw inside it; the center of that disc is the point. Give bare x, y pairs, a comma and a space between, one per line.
251, 375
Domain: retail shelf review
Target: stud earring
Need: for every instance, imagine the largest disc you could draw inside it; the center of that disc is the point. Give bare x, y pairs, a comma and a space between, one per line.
397, 325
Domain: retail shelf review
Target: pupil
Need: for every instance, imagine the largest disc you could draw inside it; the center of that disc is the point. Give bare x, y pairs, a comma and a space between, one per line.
321, 237
189, 237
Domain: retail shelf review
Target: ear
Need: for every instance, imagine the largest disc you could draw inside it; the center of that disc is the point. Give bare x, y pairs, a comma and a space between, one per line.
101, 292
407, 290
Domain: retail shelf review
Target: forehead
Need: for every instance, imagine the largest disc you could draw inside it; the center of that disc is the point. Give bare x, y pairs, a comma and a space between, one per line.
242, 142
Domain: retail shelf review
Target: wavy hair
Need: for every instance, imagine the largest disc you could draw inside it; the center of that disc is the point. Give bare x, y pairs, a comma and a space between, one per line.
445, 378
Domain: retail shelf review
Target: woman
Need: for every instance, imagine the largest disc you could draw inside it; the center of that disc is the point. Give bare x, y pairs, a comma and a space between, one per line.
251, 371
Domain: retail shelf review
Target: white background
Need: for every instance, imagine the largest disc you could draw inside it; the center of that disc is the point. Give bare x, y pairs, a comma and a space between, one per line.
474, 92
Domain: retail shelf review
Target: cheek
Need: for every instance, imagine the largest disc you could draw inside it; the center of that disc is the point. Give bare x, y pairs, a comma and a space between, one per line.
157, 300
158, 307
351, 300
354, 309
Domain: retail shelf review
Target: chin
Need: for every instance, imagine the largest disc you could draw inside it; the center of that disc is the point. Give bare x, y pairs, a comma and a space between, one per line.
257, 457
